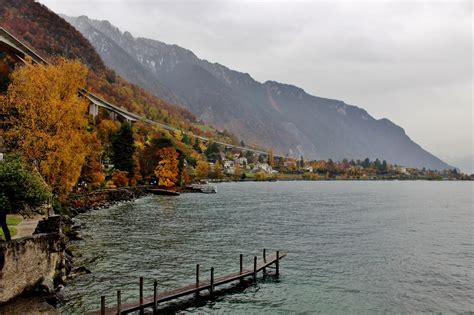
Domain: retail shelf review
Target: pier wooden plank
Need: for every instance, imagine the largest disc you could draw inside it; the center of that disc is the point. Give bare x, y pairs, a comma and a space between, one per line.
194, 288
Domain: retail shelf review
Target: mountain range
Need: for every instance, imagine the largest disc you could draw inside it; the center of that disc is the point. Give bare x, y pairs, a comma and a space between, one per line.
270, 114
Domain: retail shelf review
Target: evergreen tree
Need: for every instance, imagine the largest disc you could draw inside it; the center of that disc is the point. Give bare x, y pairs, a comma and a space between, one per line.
366, 163
181, 180
185, 139
196, 146
212, 152
123, 147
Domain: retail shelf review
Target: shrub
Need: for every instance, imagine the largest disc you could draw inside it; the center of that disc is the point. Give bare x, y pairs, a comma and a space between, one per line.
20, 188
120, 178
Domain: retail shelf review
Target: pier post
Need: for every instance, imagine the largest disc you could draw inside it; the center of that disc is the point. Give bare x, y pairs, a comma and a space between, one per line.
277, 264
255, 268
197, 275
212, 280
141, 295
241, 263
264, 260
102, 305
119, 302
155, 296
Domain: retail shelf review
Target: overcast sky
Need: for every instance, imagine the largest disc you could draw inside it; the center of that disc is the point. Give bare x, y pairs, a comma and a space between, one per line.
411, 62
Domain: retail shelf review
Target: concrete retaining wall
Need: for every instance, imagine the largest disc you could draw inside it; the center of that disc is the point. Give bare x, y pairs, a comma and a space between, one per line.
26, 261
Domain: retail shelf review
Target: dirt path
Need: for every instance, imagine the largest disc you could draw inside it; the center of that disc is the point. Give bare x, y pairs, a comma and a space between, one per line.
27, 226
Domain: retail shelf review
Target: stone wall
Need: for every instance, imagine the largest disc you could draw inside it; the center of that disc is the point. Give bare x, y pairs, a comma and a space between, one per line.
27, 261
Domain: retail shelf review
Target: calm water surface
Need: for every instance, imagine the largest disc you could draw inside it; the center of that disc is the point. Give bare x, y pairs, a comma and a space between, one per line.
354, 247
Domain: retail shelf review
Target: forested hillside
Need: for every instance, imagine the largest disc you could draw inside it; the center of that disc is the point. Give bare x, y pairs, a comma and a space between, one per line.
49, 35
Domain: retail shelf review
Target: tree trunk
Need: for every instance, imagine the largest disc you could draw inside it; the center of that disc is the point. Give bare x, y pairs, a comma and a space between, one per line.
3, 222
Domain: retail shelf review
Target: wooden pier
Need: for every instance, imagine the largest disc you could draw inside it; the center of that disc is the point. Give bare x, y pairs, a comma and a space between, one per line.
194, 288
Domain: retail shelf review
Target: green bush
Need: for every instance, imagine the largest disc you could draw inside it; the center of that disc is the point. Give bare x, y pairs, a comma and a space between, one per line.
20, 188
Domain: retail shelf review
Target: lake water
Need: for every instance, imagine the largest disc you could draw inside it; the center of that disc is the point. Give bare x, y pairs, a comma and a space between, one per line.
353, 247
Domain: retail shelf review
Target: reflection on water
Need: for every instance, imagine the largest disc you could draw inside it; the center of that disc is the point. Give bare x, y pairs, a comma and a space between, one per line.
363, 247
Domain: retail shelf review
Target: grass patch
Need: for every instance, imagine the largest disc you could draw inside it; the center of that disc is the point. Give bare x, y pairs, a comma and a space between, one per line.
12, 230
250, 175
203, 128
12, 220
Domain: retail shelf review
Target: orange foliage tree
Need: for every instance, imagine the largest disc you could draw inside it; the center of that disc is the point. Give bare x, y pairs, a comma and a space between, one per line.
46, 120
120, 178
92, 172
237, 170
136, 171
167, 168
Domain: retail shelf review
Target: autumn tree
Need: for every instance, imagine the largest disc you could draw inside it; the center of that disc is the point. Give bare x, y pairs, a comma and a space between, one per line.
148, 155
120, 178
184, 176
167, 169
218, 169
92, 172
123, 148
202, 169
237, 171
136, 176
178, 135
46, 120
260, 175
105, 129
270, 160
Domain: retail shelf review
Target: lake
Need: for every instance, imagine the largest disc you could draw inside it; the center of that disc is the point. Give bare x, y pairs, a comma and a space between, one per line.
353, 247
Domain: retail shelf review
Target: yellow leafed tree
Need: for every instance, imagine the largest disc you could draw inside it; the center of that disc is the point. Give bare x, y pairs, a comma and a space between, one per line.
202, 169
46, 120
167, 168
178, 135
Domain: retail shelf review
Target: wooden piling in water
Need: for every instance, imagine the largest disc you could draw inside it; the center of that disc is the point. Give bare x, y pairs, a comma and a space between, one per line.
155, 295
119, 301
241, 263
212, 281
102, 305
265, 260
255, 268
197, 275
277, 264
141, 295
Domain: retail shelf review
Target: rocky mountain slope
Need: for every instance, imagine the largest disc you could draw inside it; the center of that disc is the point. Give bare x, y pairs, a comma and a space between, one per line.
269, 114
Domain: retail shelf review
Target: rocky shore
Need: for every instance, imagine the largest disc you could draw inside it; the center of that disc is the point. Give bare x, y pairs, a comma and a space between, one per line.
100, 199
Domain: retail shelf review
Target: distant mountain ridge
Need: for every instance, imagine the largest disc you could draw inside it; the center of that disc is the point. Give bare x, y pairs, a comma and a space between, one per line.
269, 114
